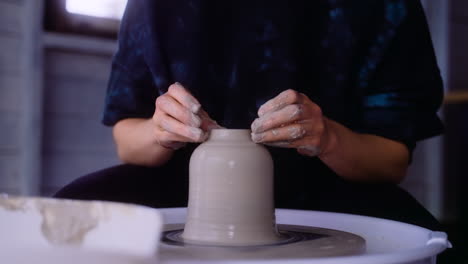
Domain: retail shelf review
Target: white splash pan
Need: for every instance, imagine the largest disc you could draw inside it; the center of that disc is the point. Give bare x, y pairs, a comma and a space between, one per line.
50, 231
53, 231
387, 242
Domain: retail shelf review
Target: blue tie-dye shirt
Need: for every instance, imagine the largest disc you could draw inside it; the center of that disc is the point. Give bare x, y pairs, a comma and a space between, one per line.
369, 64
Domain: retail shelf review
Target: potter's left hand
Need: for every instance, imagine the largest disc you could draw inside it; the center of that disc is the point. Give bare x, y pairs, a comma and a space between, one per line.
292, 120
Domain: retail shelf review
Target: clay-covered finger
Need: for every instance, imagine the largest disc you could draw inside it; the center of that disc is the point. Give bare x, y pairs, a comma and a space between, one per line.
287, 133
173, 108
303, 146
280, 144
284, 98
174, 126
284, 116
175, 145
207, 122
309, 150
184, 97
171, 140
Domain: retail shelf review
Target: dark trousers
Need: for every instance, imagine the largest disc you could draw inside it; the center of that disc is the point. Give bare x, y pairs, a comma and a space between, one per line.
167, 186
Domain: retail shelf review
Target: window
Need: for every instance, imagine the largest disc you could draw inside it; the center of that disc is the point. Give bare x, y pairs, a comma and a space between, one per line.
85, 17
112, 9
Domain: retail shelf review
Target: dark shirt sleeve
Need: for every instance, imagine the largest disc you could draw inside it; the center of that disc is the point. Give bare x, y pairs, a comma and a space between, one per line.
403, 95
130, 92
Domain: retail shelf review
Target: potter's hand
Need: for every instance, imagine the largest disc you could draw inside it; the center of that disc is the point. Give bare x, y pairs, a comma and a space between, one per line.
179, 118
292, 120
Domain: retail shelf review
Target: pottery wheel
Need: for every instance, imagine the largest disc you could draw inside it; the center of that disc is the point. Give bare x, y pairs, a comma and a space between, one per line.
300, 242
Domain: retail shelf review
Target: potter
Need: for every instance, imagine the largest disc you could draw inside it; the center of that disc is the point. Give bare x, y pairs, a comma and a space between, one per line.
231, 192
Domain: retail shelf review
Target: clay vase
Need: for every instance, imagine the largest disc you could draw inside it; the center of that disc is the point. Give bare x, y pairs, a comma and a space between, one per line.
230, 192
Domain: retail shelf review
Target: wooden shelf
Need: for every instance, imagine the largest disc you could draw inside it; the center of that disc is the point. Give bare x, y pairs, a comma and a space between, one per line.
456, 97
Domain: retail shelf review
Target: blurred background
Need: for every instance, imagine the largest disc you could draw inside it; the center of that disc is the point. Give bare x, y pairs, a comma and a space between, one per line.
54, 65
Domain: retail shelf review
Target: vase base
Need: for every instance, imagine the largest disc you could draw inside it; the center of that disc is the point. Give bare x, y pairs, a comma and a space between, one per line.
303, 240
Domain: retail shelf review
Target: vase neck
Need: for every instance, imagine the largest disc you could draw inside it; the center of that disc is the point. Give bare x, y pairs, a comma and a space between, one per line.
230, 135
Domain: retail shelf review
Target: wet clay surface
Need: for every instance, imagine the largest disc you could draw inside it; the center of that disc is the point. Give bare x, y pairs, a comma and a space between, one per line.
307, 242
65, 223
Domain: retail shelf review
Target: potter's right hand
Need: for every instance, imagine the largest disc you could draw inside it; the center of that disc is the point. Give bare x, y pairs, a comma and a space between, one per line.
179, 118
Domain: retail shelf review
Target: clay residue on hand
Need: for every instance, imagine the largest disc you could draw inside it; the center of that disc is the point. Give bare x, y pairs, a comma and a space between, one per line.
66, 223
